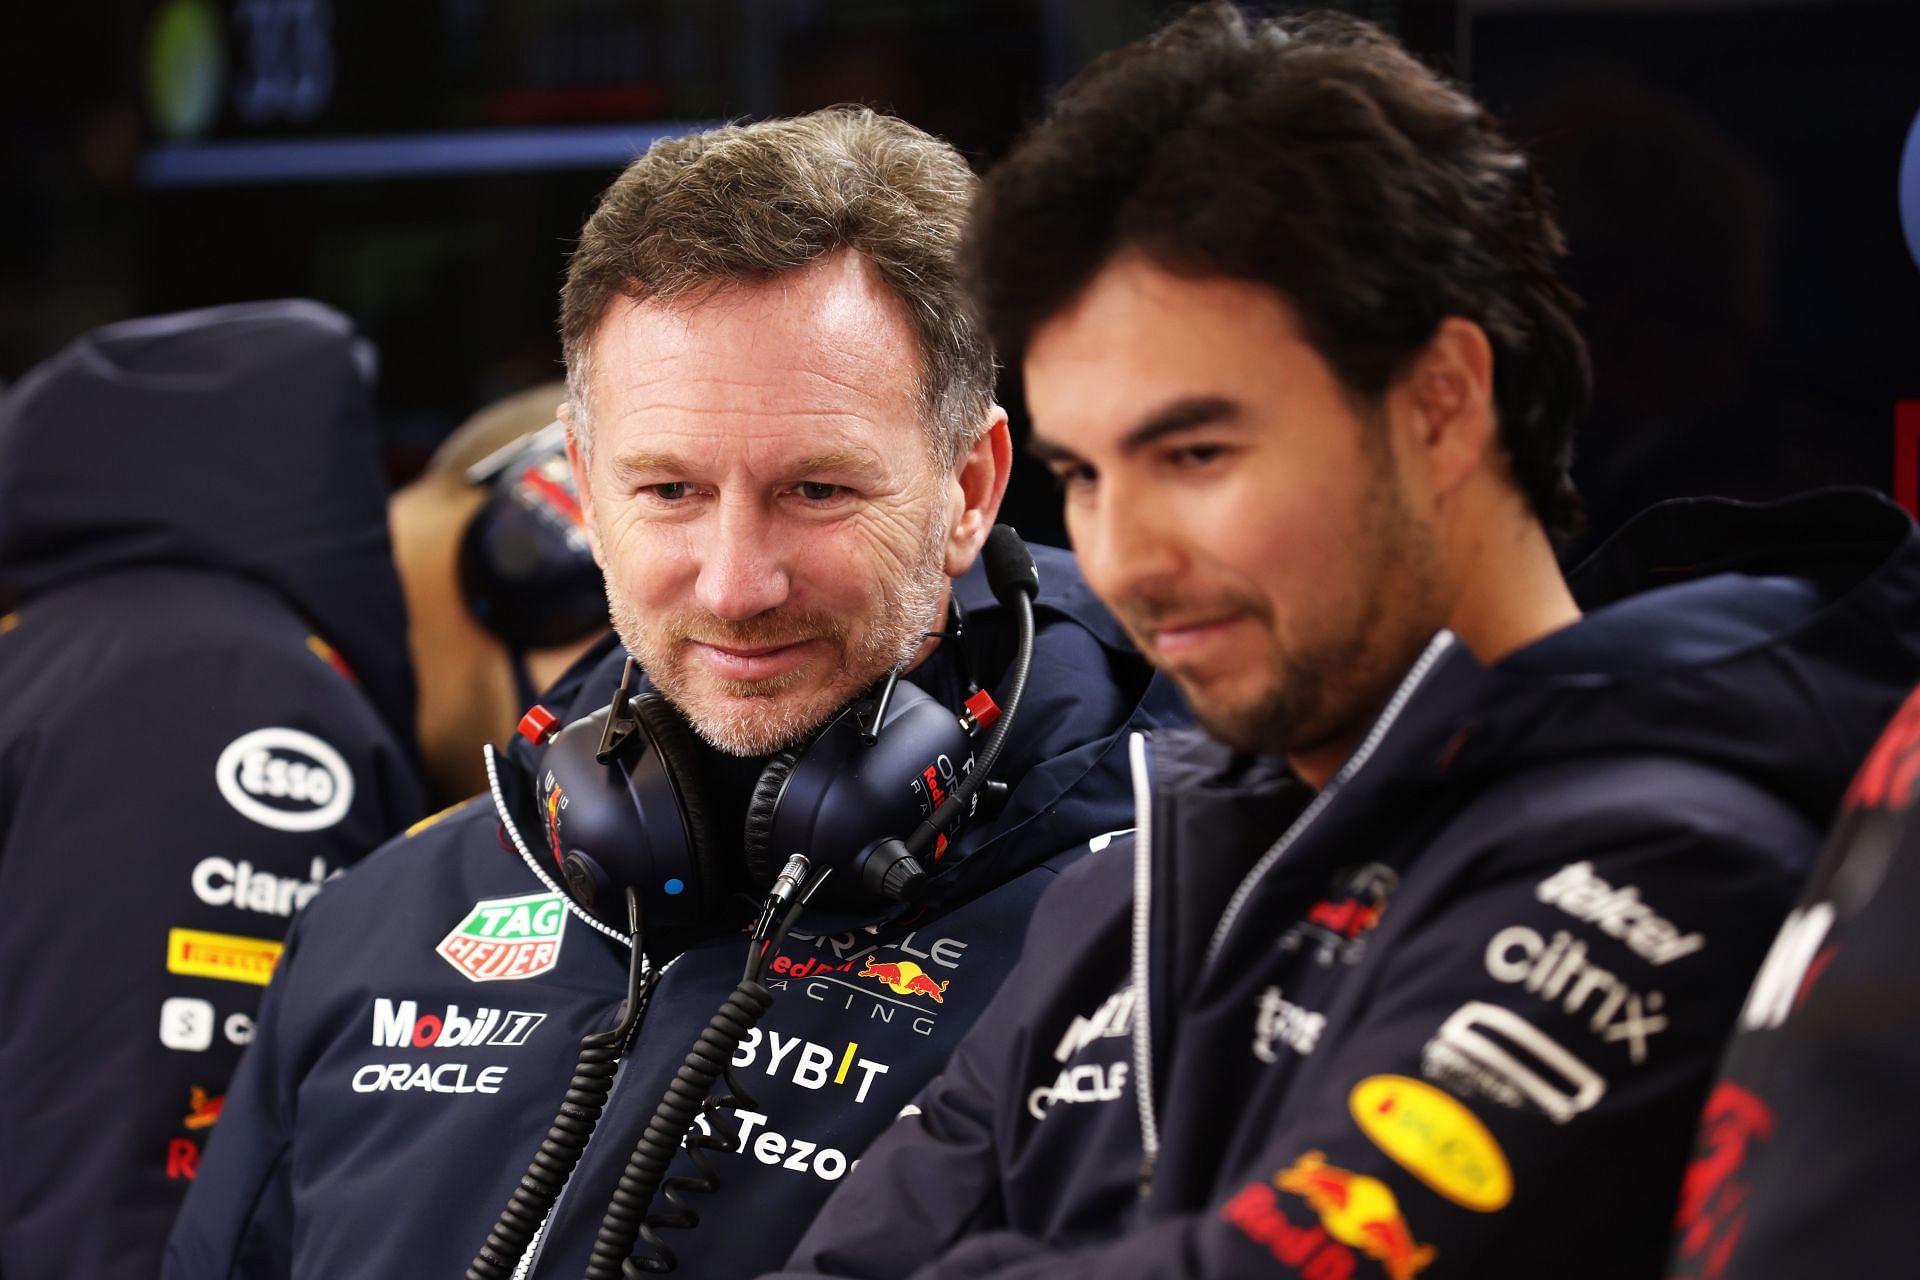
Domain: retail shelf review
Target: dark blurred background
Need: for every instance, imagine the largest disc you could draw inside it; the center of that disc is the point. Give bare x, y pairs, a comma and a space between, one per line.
1729, 173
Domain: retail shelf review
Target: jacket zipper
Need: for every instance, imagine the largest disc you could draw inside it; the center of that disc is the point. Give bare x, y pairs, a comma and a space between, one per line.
1409, 685
1143, 882
531, 1257
1142, 923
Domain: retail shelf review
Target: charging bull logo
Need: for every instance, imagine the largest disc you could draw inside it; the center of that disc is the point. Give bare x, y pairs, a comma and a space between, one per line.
556, 801
1357, 1211
203, 1109
905, 978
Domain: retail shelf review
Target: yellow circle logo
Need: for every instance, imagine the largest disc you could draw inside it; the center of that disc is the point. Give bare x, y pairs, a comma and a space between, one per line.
1431, 1135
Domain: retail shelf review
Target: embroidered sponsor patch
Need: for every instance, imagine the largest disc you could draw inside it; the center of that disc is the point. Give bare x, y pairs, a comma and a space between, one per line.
1358, 1211
1430, 1134
186, 1024
226, 956
285, 779
203, 1108
905, 978
1493, 1052
506, 939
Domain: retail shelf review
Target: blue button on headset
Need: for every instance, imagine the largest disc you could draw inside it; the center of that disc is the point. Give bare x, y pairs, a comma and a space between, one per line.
674, 886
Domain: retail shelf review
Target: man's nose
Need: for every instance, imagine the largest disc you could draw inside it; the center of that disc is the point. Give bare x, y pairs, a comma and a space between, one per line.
742, 564
1124, 538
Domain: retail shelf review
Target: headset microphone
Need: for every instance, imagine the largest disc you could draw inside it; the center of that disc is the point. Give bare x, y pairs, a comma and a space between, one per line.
1015, 581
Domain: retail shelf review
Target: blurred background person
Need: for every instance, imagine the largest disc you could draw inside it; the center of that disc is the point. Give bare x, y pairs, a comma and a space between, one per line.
502, 590
210, 707
1803, 1165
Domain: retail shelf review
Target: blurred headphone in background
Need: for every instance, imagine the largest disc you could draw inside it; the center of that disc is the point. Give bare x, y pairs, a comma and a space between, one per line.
526, 571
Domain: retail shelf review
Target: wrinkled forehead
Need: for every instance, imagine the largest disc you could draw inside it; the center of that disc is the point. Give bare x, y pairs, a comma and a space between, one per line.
828, 347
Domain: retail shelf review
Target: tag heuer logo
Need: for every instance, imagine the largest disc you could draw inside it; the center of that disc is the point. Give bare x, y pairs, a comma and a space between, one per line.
504, 938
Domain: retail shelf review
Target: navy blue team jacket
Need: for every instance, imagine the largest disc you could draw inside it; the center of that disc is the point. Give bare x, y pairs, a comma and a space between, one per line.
424, 1026
208, 711
1454, 1014
1805, 1157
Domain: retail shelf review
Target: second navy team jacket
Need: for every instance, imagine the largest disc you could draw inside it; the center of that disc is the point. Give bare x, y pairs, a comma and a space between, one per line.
1455, 1014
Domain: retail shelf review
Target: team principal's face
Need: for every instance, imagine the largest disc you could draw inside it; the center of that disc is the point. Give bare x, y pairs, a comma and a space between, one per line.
763, 499
1229, 504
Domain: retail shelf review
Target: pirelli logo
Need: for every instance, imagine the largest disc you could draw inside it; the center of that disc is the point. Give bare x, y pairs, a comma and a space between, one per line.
225, 956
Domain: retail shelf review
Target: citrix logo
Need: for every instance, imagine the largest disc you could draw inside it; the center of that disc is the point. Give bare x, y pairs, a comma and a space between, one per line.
400, 1025
1557, 967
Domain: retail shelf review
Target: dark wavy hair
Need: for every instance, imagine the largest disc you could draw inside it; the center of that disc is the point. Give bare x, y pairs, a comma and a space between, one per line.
1314, 155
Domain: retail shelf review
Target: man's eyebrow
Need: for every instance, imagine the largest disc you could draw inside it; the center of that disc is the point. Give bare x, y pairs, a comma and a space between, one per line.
1179, 415
849, 459
650, 462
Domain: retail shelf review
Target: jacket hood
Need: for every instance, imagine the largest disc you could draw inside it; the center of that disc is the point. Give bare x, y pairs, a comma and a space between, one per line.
1770, 640
238, 438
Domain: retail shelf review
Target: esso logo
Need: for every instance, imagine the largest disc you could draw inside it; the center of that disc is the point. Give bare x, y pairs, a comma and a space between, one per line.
285, 779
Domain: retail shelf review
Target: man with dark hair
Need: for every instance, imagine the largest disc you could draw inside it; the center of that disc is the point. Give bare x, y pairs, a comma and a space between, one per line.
783, 434
1427, 950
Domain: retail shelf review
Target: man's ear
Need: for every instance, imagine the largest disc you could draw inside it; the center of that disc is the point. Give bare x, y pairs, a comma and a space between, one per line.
577, 463
1446, 396
973, 497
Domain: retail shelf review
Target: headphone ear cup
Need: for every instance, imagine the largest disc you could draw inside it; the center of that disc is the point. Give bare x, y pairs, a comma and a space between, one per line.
679, 748
763, 862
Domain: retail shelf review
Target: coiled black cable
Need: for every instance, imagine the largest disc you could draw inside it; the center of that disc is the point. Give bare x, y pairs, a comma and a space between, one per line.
722, 1134
566, 1140
554, 1163
684, 1101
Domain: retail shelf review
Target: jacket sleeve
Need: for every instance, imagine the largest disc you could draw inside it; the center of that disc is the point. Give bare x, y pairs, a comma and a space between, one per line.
1521, 1073
158, 845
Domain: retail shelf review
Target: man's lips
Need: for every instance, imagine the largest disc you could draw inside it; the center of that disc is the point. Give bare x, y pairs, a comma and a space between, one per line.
1189, 637
751, 662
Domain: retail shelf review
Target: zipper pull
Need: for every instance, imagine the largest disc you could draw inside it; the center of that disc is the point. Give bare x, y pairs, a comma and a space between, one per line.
1146, 1174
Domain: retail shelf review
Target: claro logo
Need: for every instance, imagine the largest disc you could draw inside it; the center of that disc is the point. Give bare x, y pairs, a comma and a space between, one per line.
285, 779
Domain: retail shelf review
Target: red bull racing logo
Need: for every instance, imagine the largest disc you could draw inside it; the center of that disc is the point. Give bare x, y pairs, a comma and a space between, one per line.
556, 801
905, 978
1359, 1212
203, 1109
1336, 928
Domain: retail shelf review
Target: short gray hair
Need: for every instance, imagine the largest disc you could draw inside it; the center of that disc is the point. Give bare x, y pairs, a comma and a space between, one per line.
744, 204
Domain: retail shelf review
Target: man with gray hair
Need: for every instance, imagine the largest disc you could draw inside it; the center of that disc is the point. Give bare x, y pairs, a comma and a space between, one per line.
783, 434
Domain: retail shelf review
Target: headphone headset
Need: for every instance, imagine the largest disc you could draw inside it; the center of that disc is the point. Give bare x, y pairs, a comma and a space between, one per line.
621, 802
526, 570
620, 782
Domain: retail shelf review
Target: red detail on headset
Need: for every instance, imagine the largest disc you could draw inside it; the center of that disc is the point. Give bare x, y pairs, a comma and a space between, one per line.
983, 709
538, 725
